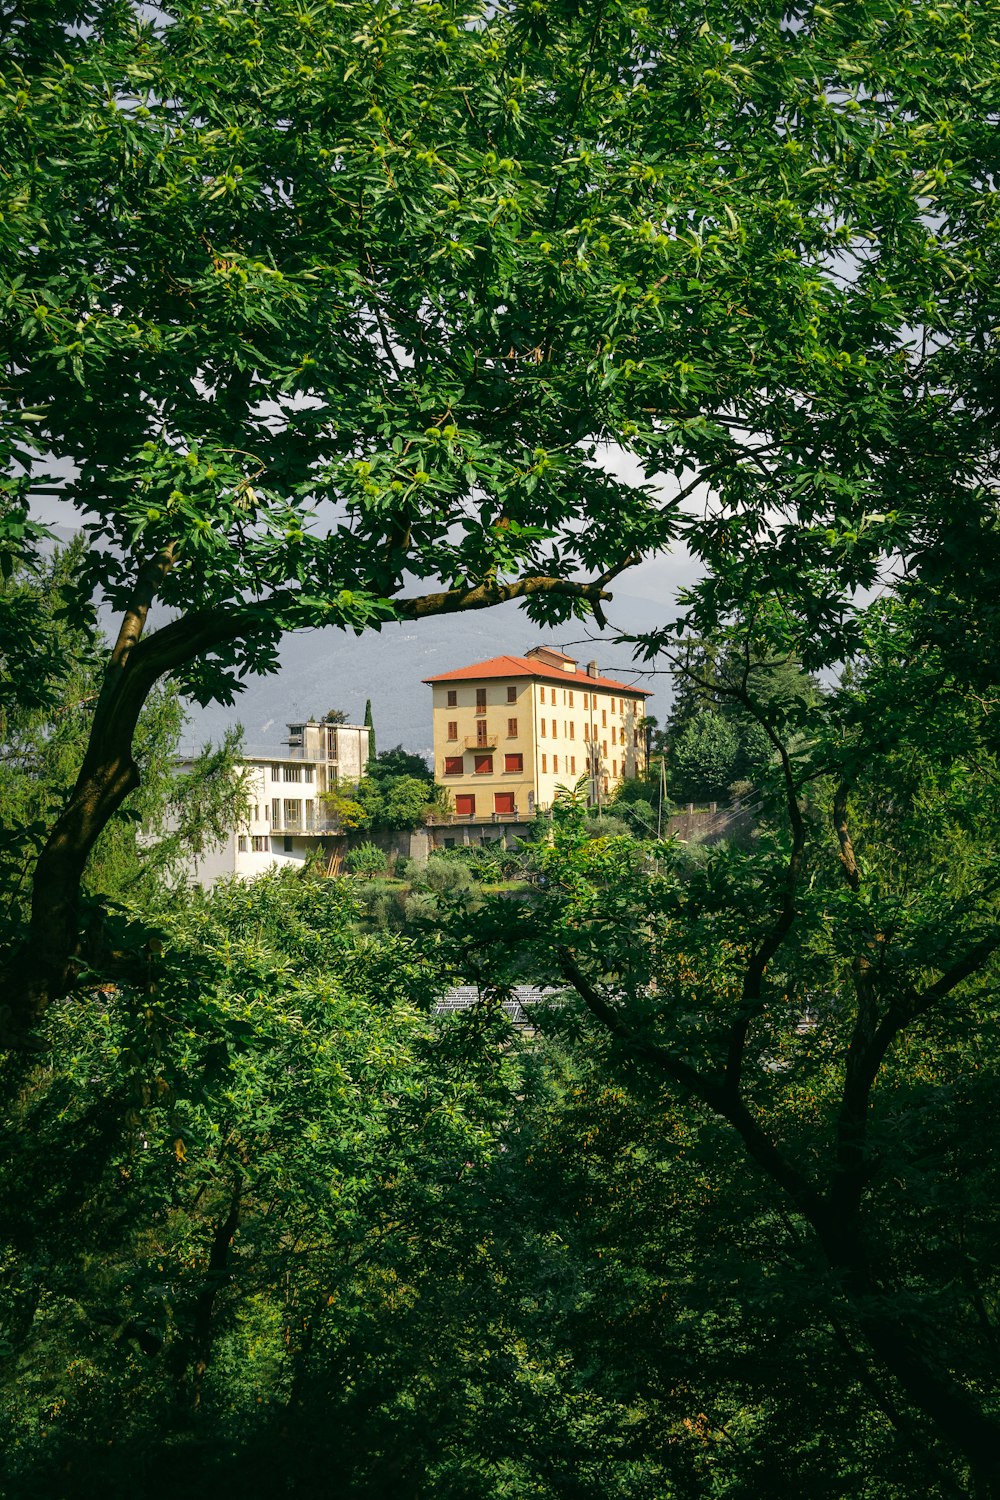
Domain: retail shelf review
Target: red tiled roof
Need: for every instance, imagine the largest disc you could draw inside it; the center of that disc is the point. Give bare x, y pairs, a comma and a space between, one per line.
523, 666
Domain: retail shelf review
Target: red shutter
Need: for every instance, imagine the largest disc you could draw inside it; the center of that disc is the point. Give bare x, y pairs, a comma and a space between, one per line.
484, 765
454, 765
465, 806
513, 762
503, 802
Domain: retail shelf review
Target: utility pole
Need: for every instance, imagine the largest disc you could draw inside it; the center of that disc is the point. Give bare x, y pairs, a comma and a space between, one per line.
662, 798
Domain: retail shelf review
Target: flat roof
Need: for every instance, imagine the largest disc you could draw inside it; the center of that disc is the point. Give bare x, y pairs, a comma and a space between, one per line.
531, 666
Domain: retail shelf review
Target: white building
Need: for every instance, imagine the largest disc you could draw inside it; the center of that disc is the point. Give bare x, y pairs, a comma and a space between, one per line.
287, 819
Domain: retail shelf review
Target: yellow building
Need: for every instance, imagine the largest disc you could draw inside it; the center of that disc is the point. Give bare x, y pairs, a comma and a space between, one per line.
508, 732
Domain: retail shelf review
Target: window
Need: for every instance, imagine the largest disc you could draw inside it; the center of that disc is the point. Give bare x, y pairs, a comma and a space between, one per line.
454, 765
276, 812
572, 730
542, 725
555, 765
513, 763
307, 772
452, 698
453, 729
545, 766
288, 844
484, 765
292, 773
541, 695
465, 806
604, 749
614, 768
275, 773
449, 843
635, 737
258, 842
480, 700
481, 736
614, 735
572, 765
241, 843
586, 700
571, 700
511, 693
588, 762
331, 744
292, 810
555, 730
604, 718
503, 802
512, 729
586, 731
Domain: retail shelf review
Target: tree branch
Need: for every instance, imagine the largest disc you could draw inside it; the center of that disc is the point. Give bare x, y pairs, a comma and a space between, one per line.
719, 1098
851, 872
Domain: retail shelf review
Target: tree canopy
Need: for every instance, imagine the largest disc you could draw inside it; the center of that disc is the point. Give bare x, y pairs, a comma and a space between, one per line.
321, 301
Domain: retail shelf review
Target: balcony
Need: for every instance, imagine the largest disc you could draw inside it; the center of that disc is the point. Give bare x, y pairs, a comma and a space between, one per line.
489, 742
444, 820
308, 826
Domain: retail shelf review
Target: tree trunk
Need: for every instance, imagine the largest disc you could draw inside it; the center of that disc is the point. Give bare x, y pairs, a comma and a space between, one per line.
46, 965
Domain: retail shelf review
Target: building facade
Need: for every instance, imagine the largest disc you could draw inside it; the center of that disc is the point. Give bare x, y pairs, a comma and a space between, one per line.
510, 731
287, 821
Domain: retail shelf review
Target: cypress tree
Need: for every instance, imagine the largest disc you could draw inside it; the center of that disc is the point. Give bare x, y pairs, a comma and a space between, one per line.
371, 729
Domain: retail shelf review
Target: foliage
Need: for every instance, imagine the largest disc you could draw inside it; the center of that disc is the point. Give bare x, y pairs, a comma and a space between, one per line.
823, 997
345, 811
394, 803
492, 861
366, 859
396, 791
319, 302
703, 759
714, 740
235, 1189
601, 825
390, 765
242, 316
314, 309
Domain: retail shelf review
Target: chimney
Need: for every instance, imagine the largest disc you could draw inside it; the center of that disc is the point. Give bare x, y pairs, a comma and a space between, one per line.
593, 670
